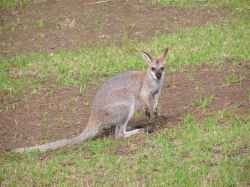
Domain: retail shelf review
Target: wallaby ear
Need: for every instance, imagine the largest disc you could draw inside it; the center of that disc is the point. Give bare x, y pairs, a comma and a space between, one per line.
147, 57
164, 55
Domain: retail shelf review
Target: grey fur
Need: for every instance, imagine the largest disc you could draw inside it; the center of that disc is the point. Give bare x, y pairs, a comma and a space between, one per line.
116, 101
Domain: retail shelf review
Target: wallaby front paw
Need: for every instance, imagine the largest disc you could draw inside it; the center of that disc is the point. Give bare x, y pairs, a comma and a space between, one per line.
148, 114
156, 113
149, 129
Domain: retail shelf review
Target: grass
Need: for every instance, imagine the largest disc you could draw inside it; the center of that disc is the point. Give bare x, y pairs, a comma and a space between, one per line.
236, 5
248, 95
40, 23
6, 4
204, 101
211, 152
232, 78
211, 44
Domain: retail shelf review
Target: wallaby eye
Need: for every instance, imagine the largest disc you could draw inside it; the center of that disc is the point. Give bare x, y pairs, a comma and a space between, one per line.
153, 68
162, 68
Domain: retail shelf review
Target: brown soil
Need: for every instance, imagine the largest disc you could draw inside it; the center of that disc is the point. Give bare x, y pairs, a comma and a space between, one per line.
58, 113
65, 24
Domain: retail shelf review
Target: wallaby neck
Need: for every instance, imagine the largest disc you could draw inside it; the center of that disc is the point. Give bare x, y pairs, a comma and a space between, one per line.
150, 83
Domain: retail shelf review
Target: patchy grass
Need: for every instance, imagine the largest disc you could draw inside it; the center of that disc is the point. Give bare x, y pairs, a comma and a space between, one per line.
211, 44
211, 152
15, 76
236, 5
40, 23
204, 101
248, 95
233, 78
6, 4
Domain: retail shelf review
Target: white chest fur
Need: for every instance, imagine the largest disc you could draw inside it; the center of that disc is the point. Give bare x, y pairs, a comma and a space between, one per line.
155, 85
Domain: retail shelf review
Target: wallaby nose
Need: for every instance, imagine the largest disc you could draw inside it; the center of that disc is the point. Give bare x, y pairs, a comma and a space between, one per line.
158, 75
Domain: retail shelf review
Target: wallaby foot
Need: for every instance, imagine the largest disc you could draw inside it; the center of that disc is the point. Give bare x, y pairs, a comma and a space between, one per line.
132, 132
156, 113
148, 114
121, 131
152, 115
126, 134
149, 129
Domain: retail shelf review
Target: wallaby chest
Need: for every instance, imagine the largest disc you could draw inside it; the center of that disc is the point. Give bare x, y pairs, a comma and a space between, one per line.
153, 87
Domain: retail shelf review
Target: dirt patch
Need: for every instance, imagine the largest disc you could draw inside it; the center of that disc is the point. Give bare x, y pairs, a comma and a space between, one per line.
185, 88
66, 24
34, 117
58, 113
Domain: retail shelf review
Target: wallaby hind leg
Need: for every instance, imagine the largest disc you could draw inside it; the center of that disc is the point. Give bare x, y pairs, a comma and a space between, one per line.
121, 127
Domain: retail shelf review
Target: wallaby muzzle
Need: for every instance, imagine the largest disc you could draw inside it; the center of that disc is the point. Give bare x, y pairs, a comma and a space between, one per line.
158, 75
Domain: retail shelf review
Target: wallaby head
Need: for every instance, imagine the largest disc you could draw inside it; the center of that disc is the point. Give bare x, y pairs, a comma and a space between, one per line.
155, 65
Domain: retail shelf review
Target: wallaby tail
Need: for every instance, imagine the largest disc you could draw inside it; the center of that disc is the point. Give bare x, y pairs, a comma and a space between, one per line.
86, 134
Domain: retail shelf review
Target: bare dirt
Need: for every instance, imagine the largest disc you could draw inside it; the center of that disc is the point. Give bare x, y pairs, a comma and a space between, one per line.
58, 113
65, 24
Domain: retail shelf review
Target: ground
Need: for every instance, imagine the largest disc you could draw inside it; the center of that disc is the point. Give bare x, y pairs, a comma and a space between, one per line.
54, 25
59, 113
202, 130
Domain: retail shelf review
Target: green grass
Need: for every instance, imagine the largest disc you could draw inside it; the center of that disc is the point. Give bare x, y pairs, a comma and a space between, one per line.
248, 95
211, 152
237, 5
232, 78
211, 44
6, 4
40, 23
204, 101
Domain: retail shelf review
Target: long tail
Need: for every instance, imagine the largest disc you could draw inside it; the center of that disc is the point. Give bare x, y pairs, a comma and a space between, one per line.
86, 134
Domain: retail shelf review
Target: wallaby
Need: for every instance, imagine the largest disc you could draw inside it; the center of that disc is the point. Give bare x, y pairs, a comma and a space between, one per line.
117, 100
